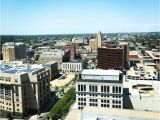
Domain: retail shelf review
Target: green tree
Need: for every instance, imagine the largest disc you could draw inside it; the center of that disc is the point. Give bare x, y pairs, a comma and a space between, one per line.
63, 105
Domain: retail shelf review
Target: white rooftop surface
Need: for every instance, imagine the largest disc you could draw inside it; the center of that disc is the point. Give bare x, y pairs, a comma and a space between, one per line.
147, 99
17, 67
92, 113
150, 53
100, 72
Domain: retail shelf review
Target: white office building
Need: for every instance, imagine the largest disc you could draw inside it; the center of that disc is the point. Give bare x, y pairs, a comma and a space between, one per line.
100, 88
73, 66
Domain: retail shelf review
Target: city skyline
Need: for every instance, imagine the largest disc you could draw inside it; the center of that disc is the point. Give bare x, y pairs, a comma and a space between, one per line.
21, 17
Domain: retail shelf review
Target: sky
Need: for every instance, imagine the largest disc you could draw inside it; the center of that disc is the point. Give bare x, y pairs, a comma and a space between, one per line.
24, 17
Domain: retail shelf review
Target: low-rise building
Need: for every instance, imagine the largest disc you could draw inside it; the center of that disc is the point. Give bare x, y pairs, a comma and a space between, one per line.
54, 55
155, 55
141, 94
100, 88
73, 66
78, 40
142, 72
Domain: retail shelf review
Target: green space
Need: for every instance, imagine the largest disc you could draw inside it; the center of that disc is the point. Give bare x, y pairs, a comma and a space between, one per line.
61, 108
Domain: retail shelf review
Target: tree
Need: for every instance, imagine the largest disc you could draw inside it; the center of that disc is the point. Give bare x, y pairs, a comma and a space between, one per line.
56, 88
63, 105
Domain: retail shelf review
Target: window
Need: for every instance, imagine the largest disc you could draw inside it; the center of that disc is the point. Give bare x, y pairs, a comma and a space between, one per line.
34, 88
1, 78
82, 88
113, 89
15, 80
17, 93
119, 89
8, 79
105, 89
93, 104
78, 87
93, 88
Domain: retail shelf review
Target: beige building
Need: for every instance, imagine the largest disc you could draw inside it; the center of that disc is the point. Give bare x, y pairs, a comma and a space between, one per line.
54, 55
95, 43
8, 50
99, 39
23, 91
13, 51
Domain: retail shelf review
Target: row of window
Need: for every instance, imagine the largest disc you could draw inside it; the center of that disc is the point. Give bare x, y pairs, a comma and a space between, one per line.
104, 89
7, 79
71, 66
95, 104
102, 100
103, 96
82, 103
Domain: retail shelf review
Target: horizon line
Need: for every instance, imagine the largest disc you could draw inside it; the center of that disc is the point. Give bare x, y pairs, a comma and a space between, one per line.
75, 33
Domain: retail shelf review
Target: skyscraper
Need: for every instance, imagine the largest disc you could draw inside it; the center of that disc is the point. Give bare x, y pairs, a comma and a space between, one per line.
72, 49
99, 38
95, 43
113, 57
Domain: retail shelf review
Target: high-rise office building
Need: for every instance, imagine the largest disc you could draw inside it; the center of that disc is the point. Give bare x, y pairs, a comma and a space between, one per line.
23, 91
99, 38
95, 43
13, 51
20, 51
113, 58
125, 46
8, 50
72, 49
100, 88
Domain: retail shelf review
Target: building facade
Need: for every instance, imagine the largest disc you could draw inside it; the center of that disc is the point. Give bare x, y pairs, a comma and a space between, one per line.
13, 51
24, 91
112, 57
54, 55
76, 66
72, 49
99, 39
53, 69
100, 88
93, 44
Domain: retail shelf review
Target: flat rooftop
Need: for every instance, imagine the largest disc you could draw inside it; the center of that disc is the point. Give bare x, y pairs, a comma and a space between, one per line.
18, 71
17, 67
152, 55
92, 113
100, 72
